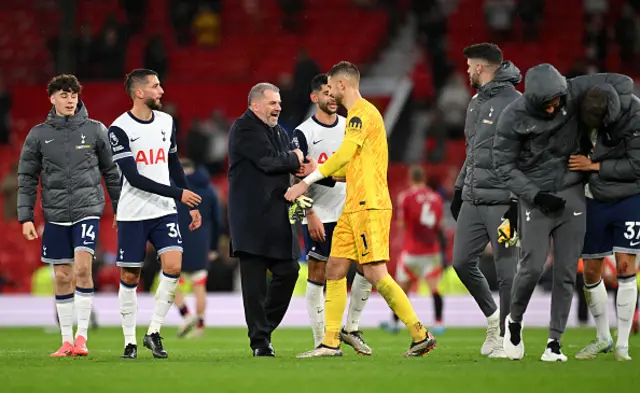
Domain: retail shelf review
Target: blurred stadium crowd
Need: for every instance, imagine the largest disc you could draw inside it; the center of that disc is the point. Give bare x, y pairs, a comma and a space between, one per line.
209, 51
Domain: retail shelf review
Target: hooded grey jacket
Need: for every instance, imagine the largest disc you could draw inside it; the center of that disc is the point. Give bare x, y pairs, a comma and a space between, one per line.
617, 149
532, 148
68, 154
477, 179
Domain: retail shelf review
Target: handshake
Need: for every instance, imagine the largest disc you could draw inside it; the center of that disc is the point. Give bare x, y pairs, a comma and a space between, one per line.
307, 164
298, 208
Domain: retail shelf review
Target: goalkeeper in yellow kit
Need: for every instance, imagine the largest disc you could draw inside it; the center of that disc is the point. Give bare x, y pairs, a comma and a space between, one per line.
362, 231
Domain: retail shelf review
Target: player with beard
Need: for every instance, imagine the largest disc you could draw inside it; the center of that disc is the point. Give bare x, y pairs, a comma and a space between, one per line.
481, 199
362, 231
319, 137
143, 142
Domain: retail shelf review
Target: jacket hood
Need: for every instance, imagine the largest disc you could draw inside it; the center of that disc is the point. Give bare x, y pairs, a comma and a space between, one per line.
73, 122
542, 84
199, 178
507, 75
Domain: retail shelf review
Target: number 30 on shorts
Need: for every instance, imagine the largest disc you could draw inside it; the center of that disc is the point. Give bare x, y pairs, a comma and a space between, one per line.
174, 230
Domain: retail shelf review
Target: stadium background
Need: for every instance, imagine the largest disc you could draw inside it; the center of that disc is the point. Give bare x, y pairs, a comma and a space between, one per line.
209, 53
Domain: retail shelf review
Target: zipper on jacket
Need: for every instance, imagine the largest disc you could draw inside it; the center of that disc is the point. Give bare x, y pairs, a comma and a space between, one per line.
66, 148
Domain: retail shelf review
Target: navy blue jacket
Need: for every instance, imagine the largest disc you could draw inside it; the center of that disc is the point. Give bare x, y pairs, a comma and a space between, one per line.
196, 245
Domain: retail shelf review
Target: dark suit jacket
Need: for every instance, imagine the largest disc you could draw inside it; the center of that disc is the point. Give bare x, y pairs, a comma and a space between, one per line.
260, 167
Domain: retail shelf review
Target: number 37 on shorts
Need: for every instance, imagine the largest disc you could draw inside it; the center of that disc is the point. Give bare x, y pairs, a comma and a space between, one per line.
362, 236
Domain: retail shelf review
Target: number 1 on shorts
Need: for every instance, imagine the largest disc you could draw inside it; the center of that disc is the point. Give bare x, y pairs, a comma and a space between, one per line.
364, 241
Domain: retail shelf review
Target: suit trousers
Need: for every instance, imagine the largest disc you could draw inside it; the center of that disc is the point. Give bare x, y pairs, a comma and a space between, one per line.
265, 304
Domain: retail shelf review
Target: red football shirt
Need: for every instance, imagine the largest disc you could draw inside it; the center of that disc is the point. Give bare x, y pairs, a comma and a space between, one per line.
420, 211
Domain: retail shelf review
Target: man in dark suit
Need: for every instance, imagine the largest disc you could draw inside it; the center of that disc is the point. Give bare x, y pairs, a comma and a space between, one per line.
260, 166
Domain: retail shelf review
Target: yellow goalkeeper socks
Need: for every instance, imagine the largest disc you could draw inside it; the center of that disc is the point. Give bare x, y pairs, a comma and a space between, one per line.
399, 303
334, 305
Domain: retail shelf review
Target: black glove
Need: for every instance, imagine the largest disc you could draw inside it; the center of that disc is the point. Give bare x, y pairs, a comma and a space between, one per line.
512, 215
456, 204
549, 203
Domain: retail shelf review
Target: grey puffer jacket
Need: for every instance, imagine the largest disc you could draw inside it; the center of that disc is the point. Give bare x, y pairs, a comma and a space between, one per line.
69, 155
478, 180
531, 149
617, 149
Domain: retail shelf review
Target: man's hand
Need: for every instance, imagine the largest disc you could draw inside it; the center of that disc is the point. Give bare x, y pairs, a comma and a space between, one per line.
196, 220
213, 255
306, 169
316, 228
296, 190
115, 223
583, 163
29, 231
299, 154
549, 203
190, 199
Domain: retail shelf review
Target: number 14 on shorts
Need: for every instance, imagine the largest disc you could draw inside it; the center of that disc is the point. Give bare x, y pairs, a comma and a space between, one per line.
88, 232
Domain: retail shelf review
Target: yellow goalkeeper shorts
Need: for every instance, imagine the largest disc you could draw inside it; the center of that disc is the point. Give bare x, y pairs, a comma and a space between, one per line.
362, 236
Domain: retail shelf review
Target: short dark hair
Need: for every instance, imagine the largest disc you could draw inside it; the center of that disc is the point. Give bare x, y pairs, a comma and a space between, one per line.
346, 68
318, 81
64, 82
137, 76
485, 51
417, 174
594, 106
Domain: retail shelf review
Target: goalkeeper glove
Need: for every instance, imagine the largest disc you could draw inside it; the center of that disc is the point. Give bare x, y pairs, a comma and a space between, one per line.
506, 236
298, 208
507, 233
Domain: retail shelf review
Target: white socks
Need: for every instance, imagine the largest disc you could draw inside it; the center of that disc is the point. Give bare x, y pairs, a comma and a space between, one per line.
315, 307
494, 319
64, 306
360, 291
163, 301
83, 303
626, 306
128, 300
597, 299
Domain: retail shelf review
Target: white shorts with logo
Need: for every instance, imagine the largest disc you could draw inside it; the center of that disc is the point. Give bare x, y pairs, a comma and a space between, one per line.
414, 267
199, 277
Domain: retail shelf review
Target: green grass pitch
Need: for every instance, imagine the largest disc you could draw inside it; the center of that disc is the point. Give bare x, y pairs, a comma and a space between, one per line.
222, 362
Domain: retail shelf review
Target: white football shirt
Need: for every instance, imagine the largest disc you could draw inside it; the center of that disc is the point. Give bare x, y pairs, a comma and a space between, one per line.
149, 143
320, 141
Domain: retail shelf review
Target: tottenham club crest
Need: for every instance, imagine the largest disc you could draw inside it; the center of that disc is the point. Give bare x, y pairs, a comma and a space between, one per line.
164, 136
